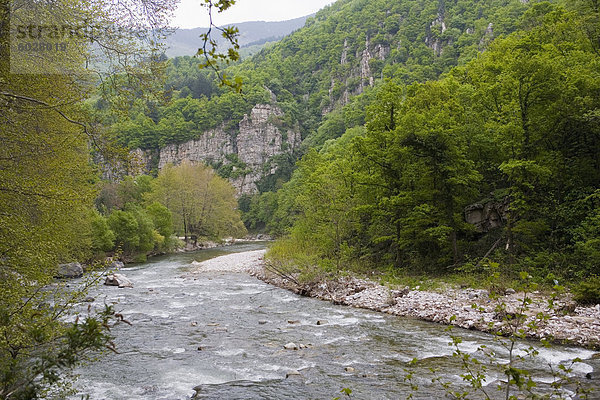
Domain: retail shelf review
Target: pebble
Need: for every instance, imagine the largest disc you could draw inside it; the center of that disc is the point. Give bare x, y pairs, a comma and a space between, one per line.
349, 369
291, 346
292, 373
322, 322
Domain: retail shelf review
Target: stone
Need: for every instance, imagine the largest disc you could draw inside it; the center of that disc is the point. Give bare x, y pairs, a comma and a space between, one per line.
89, 299
262, 322
292, 373
322, 322
194, 323
592, 375
349, 369
116, 265
118, 280
400, 292
70, 270
510, 291
291, 346
197, 390
293, 322
487, 216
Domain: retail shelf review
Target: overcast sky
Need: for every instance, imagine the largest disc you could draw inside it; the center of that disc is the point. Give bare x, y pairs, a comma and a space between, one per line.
191, 14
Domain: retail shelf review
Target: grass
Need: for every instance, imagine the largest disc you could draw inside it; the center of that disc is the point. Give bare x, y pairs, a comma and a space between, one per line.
301, 260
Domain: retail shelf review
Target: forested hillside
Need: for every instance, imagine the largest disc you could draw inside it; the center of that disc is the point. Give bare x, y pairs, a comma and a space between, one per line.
339, 53
342, 52
493, 168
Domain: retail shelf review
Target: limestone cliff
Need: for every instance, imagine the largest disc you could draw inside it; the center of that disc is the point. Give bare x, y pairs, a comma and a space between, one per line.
260, 137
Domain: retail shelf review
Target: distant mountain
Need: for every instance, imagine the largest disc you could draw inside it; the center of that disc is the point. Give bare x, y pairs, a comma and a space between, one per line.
185, 42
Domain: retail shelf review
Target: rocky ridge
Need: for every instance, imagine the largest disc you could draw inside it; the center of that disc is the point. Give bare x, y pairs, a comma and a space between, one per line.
259, 139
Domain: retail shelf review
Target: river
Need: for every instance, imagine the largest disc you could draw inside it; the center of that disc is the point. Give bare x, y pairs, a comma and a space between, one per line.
224, 333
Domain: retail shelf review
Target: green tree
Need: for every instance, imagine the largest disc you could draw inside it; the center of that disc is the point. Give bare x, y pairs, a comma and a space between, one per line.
103, 239
162, 220
202, 203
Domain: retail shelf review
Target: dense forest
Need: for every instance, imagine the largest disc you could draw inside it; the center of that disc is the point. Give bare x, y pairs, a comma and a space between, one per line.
322, 66
514, 130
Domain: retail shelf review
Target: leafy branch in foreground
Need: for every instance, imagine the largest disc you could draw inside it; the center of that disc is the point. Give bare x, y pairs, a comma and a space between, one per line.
209, 51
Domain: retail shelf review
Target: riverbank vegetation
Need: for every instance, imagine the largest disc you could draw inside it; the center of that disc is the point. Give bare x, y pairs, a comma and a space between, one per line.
48, 182
515, 130
145, 215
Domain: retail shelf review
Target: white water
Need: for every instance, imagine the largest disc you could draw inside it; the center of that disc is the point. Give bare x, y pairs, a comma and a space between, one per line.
174, 313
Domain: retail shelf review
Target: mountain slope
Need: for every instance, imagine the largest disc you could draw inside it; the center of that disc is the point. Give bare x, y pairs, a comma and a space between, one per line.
319, 77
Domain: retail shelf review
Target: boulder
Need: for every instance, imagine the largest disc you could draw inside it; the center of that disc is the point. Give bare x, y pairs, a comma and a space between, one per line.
69, 271
118, 280
291, 346
487, 216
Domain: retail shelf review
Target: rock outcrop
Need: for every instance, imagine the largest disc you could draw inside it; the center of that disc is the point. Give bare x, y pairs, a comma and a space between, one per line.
260, 138
487, 216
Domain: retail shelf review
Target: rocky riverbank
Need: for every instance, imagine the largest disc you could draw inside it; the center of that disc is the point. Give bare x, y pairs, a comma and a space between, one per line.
465, 308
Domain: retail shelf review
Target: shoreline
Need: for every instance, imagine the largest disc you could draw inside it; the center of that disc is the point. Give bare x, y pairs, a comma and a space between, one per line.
565, 323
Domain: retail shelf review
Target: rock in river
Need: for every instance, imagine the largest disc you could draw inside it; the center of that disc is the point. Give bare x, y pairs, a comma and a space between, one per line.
291, 346
71, 270
118, 280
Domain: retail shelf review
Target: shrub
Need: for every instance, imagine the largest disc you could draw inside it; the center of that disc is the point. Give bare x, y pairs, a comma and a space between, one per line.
588, 291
